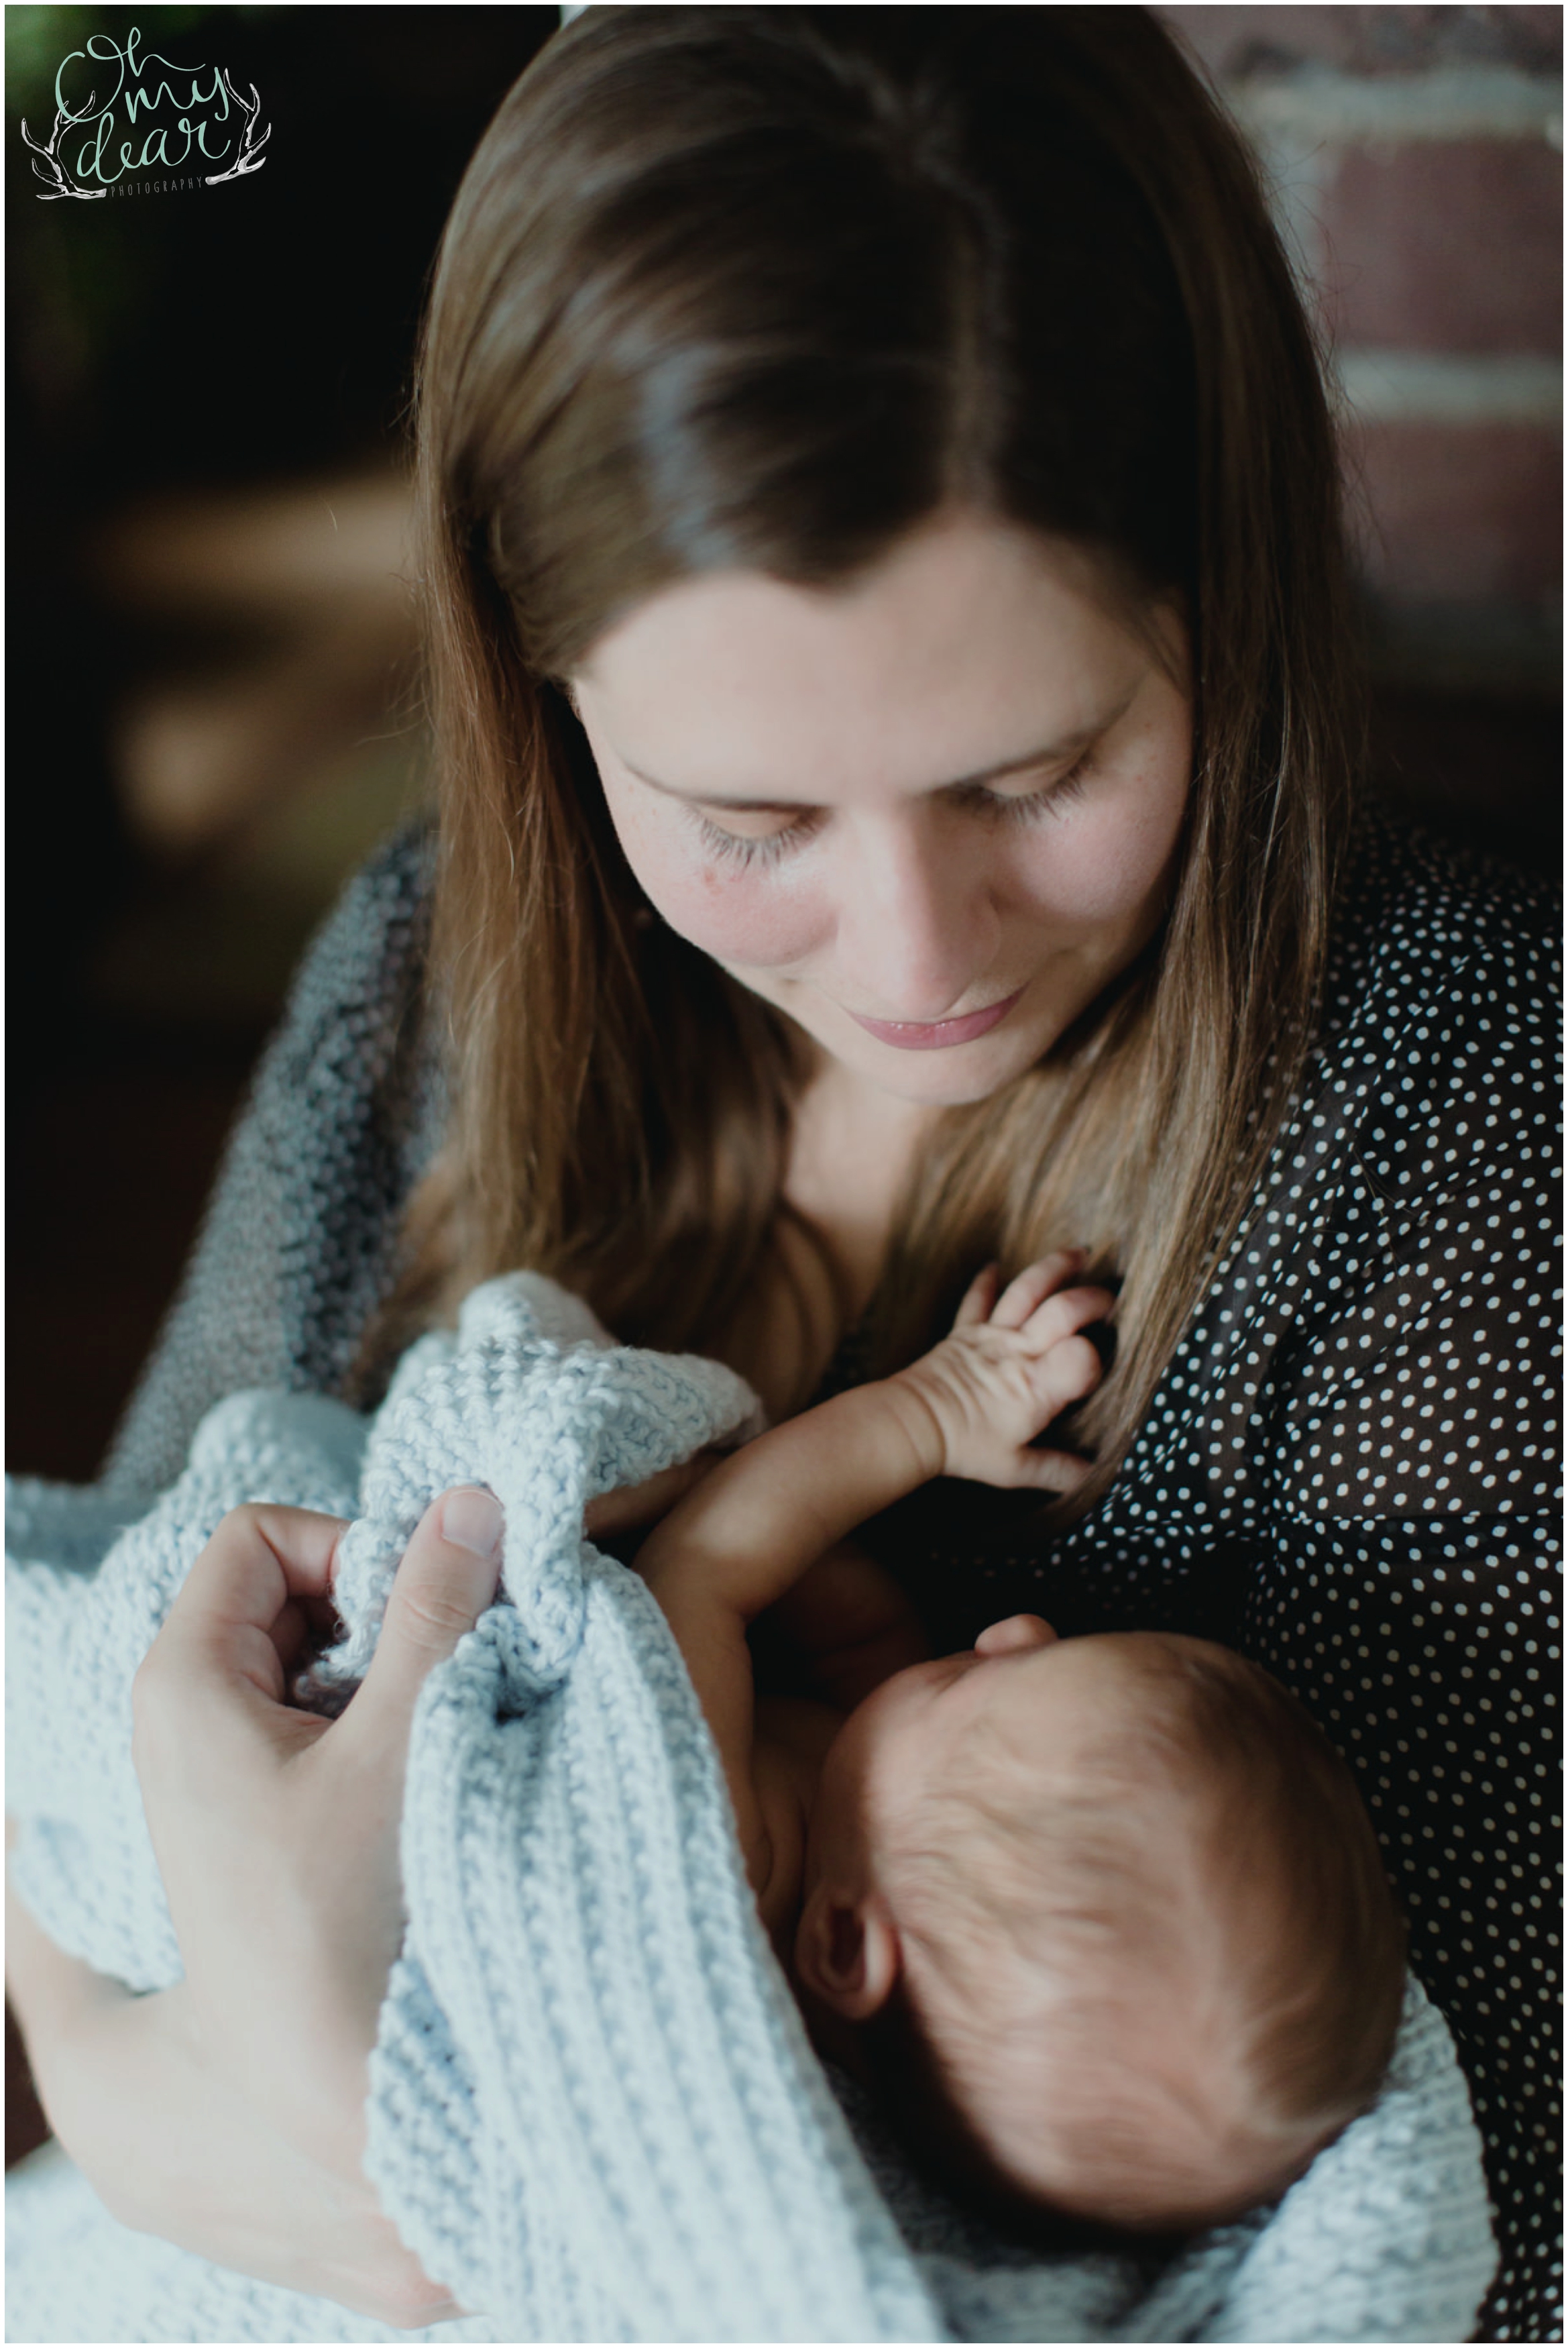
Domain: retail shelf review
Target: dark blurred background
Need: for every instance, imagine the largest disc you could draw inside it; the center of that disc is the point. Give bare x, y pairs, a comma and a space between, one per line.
212, 708
212, 714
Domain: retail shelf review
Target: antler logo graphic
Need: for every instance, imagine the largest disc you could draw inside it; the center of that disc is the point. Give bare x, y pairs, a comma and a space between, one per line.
51, 169
178, 107
249, 158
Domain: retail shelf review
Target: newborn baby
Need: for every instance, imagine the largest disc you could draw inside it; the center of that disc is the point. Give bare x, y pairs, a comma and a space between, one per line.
1104, 1916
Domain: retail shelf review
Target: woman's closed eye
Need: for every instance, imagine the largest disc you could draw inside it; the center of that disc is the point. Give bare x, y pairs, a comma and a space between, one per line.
755, 849
1025, 807
771, 848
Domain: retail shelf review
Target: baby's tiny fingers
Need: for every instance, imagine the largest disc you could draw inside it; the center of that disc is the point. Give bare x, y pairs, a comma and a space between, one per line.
1050, 1471
1071, 1371
978, 1298
1068, 1310
1034, 1285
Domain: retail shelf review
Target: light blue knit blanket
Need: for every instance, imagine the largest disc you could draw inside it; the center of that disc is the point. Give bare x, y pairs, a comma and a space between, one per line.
594, 2112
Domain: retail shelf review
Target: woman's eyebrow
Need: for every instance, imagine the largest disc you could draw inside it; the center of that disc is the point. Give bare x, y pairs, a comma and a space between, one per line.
1069, 746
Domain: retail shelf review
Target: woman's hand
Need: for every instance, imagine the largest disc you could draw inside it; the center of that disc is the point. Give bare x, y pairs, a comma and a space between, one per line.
276, 1833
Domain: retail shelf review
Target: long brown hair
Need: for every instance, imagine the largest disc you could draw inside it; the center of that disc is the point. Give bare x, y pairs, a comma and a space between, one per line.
767, 288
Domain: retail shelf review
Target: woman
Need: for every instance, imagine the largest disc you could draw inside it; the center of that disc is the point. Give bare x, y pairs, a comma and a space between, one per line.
896, 742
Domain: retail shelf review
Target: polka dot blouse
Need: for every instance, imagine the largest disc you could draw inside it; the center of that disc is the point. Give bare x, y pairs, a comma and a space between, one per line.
1347, 1470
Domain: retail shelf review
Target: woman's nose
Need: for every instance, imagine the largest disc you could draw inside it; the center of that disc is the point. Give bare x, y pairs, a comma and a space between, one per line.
917, 927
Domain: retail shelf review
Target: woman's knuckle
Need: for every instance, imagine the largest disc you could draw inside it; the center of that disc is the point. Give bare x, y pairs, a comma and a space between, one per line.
428, 1614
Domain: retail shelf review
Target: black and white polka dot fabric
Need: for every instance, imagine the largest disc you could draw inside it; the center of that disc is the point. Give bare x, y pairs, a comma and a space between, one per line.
1347, 1470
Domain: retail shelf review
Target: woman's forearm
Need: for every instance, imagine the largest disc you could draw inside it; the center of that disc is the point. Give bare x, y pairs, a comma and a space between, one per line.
53, 1996
116, 2075
171, 2150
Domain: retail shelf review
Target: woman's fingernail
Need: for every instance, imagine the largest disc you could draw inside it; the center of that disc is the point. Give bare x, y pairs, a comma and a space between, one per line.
473, 1518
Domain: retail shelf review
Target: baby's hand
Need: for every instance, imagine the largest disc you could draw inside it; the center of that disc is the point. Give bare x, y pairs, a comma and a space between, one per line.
1010, 1365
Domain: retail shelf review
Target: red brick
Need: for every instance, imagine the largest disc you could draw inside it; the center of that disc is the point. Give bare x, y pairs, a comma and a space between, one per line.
1444, 247
1239, 41
1232, 41
1458, 513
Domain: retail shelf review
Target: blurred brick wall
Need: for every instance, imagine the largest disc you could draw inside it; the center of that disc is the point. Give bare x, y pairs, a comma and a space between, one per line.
1415, 158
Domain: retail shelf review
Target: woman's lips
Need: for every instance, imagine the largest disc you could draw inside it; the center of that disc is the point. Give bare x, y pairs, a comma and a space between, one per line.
936, 1034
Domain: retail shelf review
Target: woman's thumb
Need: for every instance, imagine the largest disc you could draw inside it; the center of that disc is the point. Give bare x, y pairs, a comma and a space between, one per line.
447, 1580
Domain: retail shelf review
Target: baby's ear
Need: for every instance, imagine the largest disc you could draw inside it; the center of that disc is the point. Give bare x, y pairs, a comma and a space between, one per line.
847, 1951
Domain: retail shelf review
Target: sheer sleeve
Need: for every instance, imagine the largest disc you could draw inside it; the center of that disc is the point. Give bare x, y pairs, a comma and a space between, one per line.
1410, 1588
299, 1238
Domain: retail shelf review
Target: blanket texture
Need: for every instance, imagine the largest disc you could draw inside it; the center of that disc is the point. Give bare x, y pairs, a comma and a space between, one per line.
594, 2112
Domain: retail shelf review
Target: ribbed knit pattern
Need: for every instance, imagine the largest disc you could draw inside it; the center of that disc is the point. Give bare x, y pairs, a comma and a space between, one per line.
594, 2112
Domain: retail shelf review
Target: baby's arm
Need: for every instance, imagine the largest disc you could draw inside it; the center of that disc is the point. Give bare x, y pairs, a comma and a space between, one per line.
969, 1408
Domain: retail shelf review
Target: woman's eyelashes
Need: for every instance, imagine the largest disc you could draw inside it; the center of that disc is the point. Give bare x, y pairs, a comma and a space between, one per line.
994, 806
1025, 807
768, 847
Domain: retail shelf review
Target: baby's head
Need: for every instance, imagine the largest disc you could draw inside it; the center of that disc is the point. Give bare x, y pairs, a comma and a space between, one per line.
1116, 1915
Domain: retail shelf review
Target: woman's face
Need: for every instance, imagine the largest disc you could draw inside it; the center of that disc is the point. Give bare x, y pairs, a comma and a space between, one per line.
929, 815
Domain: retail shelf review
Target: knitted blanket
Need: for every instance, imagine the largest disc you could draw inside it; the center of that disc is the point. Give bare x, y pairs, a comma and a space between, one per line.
594, 2112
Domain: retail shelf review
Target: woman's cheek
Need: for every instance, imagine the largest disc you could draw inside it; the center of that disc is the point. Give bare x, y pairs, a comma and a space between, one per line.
754, 915
1106, 865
